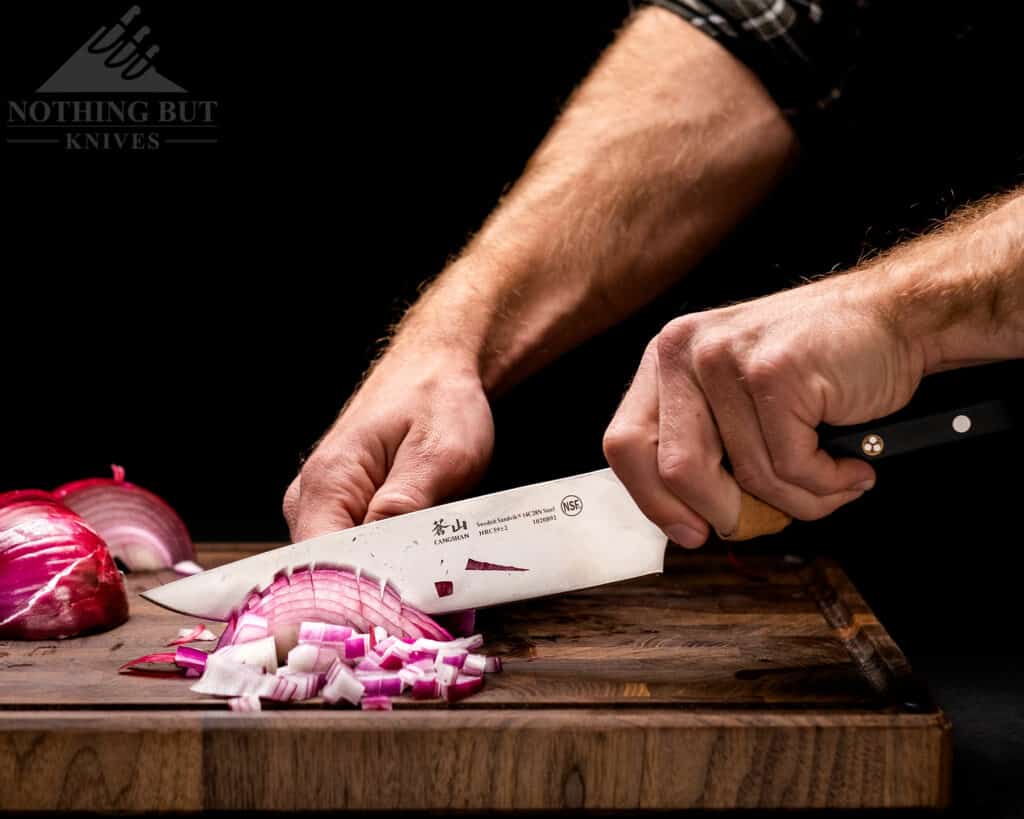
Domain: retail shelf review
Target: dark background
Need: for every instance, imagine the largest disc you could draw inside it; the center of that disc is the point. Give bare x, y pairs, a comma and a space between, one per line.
200, 314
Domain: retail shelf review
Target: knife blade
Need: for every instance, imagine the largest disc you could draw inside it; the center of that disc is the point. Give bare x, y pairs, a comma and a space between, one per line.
532, 541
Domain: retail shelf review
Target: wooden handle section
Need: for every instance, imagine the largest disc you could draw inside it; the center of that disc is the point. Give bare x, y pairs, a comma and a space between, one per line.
757, 518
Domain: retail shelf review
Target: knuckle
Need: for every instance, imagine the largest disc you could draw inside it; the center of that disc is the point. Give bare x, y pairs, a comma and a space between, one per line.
754, 478
675, 338
678, 467
458, 459
792, 469
620, 439
764, 373
397, 501
711, 355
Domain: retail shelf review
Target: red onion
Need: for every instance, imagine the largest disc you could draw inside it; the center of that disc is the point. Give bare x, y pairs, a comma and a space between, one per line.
376, 704
336, 597
139, 527
198, 633
245, 704
57, 578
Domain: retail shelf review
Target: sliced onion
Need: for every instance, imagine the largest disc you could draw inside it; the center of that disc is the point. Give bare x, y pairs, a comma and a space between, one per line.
333, 597
139, 527
160, 663
191, 659
250, 627
376, 703
188, 567
57, 577
198, 633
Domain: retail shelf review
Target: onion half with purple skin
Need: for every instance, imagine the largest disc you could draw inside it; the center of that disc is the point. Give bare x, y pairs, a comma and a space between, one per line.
57, 577
139, 527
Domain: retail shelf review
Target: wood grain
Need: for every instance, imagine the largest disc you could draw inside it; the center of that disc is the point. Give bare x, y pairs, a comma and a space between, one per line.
702, 688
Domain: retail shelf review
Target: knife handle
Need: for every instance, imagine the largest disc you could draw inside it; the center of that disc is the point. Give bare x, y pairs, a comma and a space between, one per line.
884, 438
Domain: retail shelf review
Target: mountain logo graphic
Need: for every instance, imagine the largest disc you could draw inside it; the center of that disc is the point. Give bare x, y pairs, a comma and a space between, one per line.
117, 59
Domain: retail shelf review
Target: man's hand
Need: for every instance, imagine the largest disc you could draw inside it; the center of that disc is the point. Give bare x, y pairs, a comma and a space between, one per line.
667, 145
753, 381
418, 431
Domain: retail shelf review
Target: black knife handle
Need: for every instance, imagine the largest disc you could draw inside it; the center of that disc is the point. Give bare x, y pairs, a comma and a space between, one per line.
887, 437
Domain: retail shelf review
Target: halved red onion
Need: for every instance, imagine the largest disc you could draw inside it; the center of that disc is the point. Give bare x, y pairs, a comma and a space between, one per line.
138, 526
57, 577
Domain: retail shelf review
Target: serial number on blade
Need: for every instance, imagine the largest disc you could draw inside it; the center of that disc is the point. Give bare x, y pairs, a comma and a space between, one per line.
499, 525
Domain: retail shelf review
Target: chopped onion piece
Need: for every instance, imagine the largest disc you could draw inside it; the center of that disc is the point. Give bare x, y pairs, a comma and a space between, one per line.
451, 656
433, 646
446, 674
426, 688
262, 652
308, 684
191, 659
188, 567
380, 683
307, 657
342, 685
225, 677
245, 704
475, 665
376, 703
492, 665
368, 664
357, 646
464, 686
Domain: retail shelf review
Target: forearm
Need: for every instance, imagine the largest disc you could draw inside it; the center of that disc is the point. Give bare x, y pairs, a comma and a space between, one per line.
663, 149
958, 295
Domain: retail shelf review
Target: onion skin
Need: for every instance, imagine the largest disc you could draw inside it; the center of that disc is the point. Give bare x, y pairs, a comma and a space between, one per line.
57, 577
139, 527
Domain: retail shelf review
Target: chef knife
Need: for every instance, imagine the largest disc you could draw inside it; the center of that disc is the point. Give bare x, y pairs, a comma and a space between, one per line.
537, 540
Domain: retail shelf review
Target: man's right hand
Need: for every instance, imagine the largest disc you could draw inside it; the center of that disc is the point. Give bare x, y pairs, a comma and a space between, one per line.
418, 431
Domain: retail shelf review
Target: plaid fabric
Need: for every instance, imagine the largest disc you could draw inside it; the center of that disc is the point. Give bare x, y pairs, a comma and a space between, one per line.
800, 49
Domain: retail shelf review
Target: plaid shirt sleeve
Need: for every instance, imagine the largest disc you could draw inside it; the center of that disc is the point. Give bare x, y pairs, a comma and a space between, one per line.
800, 49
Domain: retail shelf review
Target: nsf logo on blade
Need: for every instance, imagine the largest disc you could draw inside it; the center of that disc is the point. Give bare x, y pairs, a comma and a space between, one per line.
572, 505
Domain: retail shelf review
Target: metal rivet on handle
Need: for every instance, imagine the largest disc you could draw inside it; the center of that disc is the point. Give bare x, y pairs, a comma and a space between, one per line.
872, 445
962, 424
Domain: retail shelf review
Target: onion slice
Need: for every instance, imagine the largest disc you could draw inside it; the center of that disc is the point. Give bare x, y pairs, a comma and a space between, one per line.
139, 527
197, 634
333, 597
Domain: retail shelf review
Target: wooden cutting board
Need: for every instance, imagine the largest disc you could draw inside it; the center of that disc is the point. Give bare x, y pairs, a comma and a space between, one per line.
708, 687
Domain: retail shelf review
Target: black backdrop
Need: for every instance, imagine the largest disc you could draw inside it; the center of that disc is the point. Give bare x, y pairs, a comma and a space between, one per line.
199, 314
